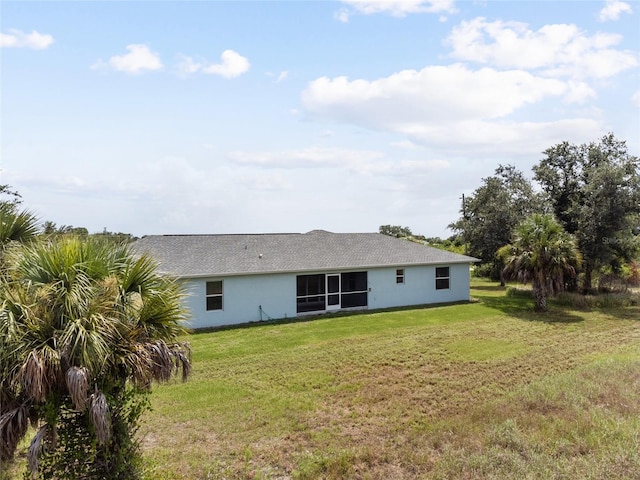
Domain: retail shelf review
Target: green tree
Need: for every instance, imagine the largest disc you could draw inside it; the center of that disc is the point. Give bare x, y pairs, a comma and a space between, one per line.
118, 237
543, 253
452, 244
14, 197
85, 327
491, 213
395, 231
50, 228
594, 191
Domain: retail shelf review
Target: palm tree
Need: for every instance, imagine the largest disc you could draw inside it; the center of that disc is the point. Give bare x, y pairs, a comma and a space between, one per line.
16, 225
85, 327
543, 253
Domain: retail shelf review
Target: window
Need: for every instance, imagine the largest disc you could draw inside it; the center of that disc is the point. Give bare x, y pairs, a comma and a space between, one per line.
214, 295
310, 294
442, 278
400, 275
354, 290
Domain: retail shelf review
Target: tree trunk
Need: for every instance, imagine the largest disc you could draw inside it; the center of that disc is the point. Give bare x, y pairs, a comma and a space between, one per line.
540, 298
586, 287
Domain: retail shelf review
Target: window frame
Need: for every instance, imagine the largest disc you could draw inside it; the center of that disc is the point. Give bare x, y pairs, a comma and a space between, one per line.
443, 282
400, 276
215, 295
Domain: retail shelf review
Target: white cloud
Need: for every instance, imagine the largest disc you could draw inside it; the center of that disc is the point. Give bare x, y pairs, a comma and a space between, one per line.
361, 162
556, 50
435, 94
612, 10
453, 108
138, 60
187, 66
313, 157
233, 65
268, 182
343, 15
396, 8
280, 77
18, 39
635, 98
514, 138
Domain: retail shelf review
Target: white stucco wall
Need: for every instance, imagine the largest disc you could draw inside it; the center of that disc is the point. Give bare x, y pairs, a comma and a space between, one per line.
276, 293
242, 298
419, 286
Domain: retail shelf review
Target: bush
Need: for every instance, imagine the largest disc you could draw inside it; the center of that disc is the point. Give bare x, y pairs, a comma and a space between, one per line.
487, 270
631, 273
75, 454
601, 300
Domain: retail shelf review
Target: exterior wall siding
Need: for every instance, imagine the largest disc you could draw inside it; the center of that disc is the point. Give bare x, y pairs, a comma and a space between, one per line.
419, 286
242, 298
276, 294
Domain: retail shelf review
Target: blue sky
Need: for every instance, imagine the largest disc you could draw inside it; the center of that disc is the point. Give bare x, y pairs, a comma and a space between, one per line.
156, 117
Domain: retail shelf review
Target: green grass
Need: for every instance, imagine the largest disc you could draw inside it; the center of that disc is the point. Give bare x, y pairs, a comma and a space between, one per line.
486, 389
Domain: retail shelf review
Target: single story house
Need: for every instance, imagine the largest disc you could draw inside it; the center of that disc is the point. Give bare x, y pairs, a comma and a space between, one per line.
233, 279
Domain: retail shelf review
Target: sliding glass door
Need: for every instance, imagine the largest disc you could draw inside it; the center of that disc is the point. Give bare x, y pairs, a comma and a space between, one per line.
333, 291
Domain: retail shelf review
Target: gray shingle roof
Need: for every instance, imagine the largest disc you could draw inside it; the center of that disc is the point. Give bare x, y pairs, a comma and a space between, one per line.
318, 250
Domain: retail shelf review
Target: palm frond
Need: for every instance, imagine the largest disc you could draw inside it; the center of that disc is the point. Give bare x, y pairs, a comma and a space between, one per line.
34, 376
17, 226
78, 386
100, 417
13, 427
162, 358
182, 356
88, 342
35, 449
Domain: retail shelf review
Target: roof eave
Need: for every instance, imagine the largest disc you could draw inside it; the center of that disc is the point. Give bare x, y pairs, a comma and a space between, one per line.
319, 269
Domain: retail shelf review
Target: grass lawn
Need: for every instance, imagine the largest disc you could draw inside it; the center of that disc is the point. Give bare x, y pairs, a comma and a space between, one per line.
486, 389
481, 390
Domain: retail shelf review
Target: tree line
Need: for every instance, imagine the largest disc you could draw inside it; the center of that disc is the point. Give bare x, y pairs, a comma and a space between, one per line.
591, 191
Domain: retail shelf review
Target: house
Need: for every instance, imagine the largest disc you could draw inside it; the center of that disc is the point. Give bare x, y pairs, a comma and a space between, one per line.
233, 279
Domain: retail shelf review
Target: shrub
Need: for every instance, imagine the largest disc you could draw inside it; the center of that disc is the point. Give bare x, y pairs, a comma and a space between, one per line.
77, 455
631, 273
487, 270
602, 300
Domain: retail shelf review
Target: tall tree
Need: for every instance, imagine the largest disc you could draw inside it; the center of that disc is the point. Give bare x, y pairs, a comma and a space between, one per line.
543, 253
85, 327
491, 213
594, 190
